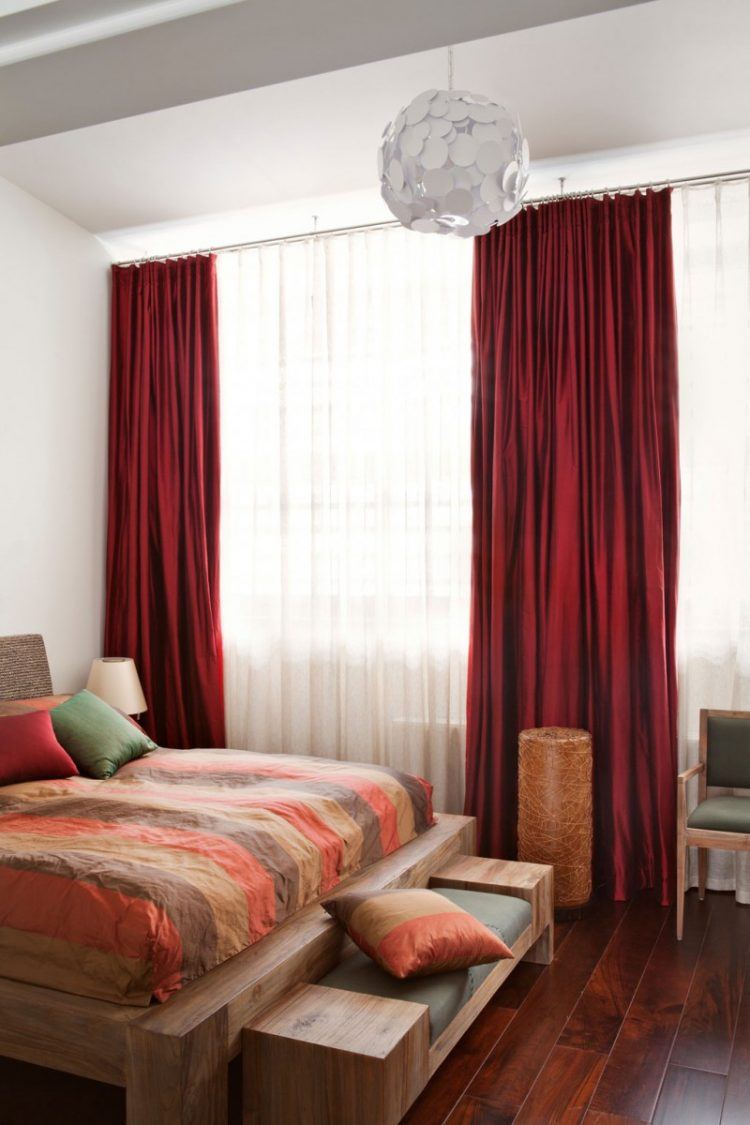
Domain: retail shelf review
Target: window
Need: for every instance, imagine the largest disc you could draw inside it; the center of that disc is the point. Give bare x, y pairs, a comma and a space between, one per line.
346, 520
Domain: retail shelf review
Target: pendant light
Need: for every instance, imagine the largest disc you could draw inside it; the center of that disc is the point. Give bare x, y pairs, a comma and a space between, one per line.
452, 162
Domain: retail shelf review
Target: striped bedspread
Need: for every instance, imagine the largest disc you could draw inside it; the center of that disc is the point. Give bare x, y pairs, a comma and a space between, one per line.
128, 888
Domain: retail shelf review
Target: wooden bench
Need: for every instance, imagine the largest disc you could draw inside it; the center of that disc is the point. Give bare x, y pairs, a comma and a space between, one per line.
326, 1056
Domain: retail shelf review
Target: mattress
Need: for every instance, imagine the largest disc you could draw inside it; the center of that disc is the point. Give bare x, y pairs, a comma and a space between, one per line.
127, 889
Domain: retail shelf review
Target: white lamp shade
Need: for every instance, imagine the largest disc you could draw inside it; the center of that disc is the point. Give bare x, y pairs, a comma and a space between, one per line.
115, 680
452, 162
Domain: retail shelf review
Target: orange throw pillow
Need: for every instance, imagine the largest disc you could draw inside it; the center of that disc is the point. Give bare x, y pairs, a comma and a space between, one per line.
415, 933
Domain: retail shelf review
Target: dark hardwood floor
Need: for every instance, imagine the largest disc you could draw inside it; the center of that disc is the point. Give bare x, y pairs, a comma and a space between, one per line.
628, 1025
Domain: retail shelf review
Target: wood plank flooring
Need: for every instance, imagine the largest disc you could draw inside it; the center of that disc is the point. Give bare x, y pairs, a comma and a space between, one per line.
627, 1026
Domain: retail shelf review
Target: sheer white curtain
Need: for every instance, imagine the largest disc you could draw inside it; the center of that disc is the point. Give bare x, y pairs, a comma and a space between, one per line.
346, 506
712, 262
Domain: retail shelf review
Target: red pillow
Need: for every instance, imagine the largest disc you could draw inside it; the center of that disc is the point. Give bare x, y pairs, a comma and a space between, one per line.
29, 750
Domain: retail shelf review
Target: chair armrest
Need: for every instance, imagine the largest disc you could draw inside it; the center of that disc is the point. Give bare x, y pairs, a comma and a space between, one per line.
685, 776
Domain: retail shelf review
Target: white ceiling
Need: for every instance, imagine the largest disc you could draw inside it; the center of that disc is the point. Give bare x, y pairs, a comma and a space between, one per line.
636, 77
602, 170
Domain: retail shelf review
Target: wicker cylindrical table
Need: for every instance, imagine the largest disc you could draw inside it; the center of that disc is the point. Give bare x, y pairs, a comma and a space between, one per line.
555, 810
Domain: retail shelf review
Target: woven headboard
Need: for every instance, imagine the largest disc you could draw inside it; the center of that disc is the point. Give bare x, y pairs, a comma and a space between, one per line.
24, 671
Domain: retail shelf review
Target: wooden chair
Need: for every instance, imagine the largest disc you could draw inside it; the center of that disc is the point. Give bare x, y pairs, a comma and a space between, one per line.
716, 822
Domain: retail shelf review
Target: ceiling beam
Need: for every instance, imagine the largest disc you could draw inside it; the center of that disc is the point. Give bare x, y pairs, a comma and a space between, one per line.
72, 28
242, 46
12, 7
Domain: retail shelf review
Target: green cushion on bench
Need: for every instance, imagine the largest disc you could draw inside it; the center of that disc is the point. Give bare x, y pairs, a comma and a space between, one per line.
445, 993
722, 814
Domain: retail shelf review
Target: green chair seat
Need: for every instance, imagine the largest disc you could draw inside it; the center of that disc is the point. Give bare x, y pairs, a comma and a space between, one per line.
445, 993
722, 814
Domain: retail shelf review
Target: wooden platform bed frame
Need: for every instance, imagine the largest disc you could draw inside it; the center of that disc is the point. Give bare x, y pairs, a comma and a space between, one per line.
172, 1058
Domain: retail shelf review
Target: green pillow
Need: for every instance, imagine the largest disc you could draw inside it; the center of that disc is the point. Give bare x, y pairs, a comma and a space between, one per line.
98, 738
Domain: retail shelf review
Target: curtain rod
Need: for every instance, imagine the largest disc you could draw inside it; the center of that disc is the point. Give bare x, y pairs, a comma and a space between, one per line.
228, 248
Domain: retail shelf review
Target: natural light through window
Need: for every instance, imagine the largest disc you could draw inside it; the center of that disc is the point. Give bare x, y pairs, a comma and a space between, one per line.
346, 510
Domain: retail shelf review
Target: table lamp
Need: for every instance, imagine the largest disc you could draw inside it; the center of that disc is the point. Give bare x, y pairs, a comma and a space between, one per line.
115, 680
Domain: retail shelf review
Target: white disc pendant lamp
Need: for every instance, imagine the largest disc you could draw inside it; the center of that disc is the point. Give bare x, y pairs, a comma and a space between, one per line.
452, 162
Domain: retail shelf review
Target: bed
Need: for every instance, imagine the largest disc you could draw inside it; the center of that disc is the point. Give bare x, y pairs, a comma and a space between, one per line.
145, 919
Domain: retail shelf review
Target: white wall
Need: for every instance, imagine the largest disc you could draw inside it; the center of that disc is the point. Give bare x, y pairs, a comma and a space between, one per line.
53, 432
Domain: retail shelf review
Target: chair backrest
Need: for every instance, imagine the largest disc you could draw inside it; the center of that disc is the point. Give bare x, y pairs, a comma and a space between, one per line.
725, 748
24, 671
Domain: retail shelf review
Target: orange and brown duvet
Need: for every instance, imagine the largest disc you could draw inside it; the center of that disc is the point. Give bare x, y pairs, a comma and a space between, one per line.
126, 889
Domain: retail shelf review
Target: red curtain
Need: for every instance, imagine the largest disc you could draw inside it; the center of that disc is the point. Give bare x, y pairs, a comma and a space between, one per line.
163, 536
576, 507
